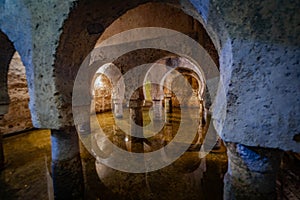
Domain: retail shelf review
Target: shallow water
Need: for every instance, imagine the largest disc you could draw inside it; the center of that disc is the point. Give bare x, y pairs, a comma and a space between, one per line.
28, 157
189, 177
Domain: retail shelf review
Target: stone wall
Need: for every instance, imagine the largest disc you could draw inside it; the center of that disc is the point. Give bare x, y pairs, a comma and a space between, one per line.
103, 90
18, 117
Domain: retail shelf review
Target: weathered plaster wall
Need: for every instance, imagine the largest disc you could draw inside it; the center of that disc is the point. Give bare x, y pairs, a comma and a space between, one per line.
18, 117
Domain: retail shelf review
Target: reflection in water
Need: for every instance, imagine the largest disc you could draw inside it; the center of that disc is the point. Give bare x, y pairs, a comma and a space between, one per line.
189, 177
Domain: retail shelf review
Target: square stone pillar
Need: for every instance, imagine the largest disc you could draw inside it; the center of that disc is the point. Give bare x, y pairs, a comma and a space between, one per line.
118, 108
168, 104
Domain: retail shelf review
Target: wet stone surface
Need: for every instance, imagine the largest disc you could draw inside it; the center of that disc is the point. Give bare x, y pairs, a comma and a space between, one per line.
28, 158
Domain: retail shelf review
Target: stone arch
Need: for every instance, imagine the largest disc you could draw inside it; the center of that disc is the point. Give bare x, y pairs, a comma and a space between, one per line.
184, 63
67, 60
17, 23
93, 17
160, 75
115, 76
6, 53
14, 89
118, 88
14, 96
170, 79
19, 98
102, 93
268, 59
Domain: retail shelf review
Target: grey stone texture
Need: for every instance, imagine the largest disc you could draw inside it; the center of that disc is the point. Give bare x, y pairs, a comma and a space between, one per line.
259, 65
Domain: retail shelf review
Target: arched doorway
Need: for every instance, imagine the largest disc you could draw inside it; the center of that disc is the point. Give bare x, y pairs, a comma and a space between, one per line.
131, 59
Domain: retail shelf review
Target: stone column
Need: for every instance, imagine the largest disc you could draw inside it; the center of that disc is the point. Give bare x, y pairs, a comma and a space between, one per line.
118, 108
136, 117
157, 109
168, 128
66, 164
251, 172
168, 104
3, 110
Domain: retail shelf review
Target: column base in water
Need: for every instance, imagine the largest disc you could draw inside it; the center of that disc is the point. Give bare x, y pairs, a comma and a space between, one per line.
66, 164
251, 172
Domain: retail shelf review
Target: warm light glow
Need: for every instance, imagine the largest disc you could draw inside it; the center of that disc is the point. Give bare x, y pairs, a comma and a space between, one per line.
126, 139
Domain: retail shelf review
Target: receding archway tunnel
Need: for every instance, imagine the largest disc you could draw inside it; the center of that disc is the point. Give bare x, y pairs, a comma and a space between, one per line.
170, 95
118, 136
